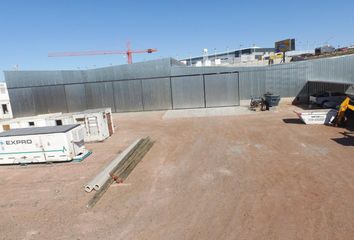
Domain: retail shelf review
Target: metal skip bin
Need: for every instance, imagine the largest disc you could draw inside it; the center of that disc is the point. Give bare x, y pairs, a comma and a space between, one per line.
42, 144
317, 116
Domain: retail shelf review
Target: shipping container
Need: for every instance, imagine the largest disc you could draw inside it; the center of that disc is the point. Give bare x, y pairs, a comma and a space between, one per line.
98, 123
41, 120
42, 144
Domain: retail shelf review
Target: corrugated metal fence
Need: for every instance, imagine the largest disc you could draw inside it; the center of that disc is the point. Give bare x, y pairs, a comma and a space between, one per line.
165, 84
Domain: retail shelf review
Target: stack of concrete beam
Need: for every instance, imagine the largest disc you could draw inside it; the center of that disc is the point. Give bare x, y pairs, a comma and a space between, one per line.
118, 169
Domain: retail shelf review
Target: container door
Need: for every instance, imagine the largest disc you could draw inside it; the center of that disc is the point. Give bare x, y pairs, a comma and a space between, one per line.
110, 124
92, 124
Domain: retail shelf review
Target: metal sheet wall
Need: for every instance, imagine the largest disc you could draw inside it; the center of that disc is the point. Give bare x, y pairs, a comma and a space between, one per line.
221, 90
118, 86
338, 69
252, 84
49, 99
99, 95
178, 70
315, 87
16, 79
157, 94
285, 80
188, 92
128, 95
76, 97
22, 102
148, 69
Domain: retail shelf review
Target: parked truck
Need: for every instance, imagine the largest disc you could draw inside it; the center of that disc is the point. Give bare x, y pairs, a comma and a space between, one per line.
327, 99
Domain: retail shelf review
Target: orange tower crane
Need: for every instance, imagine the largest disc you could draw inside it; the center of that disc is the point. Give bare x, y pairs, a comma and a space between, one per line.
129, 52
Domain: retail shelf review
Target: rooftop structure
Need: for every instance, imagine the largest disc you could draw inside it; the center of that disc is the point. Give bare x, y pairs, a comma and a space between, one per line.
232, 57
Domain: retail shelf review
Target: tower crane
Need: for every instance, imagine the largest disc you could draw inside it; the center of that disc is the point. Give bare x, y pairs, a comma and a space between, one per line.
128, 52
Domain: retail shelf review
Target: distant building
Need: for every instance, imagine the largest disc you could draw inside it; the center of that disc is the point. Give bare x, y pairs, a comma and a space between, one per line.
5, 109
233, 57
324, 49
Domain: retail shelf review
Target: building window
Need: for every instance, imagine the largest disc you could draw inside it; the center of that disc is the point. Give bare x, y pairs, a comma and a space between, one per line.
31, 123
5, 110
80, 120
6, 127
59, 122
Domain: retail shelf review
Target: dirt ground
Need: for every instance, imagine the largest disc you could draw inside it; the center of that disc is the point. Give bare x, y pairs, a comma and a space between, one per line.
258, 176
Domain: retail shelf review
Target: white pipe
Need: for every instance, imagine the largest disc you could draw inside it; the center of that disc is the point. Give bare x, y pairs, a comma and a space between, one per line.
88, 188
103, 175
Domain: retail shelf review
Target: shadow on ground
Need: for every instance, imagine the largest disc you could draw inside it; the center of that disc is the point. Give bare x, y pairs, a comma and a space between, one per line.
346, 140
292, 121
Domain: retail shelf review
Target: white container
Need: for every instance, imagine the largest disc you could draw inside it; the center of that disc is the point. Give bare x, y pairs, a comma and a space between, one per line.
24, 122
42, 144
98, 123
317, 116
63, 119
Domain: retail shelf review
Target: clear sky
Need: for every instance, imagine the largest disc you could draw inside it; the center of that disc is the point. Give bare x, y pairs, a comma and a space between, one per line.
29, 29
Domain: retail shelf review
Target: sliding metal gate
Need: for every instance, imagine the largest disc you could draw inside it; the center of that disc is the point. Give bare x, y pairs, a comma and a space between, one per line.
221, 90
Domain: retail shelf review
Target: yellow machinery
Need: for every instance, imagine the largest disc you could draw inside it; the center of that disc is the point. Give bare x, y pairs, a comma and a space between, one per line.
344, 106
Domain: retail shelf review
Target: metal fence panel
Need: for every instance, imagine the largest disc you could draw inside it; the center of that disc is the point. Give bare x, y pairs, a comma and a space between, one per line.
288, 80
128, 95
316, 87
298, 79
75, 97
49, 99
70, 77
187, 92
252, 84
148, 69
22, 102
221, 90
272, 81
99, 95
32, 78
157, 94
339, 69
178, 70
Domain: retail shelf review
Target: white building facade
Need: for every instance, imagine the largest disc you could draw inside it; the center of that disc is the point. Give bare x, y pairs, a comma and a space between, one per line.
5, 106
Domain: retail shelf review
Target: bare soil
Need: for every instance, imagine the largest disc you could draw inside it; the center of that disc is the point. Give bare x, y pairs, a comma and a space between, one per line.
258, 176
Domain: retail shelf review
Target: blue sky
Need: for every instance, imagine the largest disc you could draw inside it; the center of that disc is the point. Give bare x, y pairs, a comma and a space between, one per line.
31, 29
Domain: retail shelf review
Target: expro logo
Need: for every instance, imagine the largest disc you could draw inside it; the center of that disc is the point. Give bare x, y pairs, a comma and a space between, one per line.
16, 142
